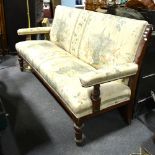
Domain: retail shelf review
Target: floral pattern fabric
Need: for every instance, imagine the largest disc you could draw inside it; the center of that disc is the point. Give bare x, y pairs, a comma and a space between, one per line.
35, 30
97, 38
108, 73
61, 71
82, 42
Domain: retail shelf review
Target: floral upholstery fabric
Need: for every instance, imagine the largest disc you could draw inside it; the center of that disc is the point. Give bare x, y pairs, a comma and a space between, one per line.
61, 71
83, 43
36, 30
108, 73
64, 27
97, 38
39, 51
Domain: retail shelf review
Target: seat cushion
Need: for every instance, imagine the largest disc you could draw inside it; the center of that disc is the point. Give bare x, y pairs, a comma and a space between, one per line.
61, 71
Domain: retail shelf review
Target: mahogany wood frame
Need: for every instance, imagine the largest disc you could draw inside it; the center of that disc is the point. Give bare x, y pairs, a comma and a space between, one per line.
126, 108
3, 36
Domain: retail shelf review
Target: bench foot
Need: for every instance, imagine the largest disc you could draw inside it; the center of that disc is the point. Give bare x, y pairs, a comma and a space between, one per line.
127, 113
21, 63
79, 136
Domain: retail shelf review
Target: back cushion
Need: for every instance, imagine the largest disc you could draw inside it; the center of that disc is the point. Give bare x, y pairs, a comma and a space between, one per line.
96, 38
65, 25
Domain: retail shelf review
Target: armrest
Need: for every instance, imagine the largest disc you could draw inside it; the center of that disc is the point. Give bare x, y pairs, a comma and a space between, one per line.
107, 74
36, 30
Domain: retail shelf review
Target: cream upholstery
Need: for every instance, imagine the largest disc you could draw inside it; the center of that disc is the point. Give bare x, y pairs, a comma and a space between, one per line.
97, 38
108, 73
62, 71
85, 47
38, 30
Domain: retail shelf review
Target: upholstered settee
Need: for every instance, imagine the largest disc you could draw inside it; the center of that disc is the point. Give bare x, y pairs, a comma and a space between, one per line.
90, 63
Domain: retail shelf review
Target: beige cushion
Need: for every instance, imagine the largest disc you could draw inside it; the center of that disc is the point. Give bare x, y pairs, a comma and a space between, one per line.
65, 28
62, 71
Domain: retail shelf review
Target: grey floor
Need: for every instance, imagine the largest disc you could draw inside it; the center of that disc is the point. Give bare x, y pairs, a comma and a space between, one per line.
39, 126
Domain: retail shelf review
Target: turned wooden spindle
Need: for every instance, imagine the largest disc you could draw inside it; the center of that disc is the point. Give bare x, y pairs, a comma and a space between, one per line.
28, 37
79, 136
21, 63
95, 97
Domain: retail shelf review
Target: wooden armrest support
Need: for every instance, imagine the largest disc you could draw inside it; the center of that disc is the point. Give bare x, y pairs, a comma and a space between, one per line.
95, 98
45, 22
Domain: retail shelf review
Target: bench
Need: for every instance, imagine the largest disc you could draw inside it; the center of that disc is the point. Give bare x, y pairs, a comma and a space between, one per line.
90, 62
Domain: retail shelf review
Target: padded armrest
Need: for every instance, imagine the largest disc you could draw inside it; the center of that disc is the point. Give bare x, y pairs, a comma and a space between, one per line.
35, 30
107, 74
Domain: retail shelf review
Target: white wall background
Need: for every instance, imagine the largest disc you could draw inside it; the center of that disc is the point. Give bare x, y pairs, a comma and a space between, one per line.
70, 3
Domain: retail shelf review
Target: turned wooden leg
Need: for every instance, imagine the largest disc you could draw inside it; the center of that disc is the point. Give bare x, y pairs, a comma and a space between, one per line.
21, 63
127, 112
79, 136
